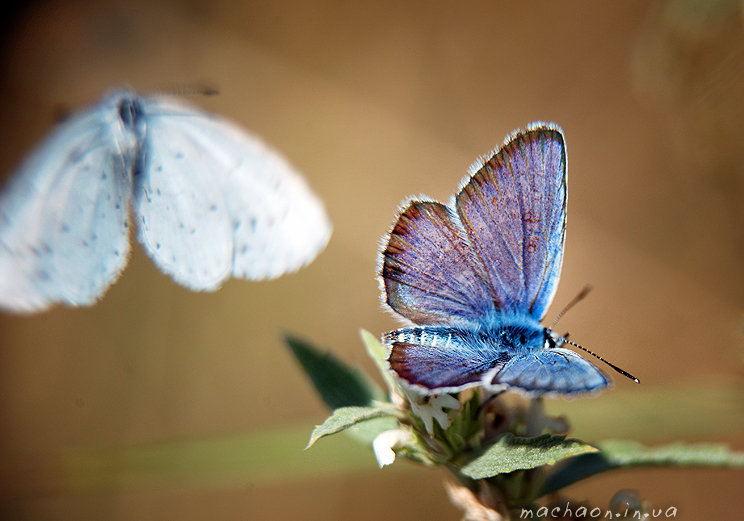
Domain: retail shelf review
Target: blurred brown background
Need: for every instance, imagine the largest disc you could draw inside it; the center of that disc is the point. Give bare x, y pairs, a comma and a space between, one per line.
374, 101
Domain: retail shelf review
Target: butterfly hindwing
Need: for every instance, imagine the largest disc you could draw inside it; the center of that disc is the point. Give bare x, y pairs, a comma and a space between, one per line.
441, 358
554, 370
429, 270
514, 211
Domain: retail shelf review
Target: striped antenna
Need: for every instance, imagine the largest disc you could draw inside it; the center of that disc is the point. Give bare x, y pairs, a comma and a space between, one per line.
616, 368
578, 298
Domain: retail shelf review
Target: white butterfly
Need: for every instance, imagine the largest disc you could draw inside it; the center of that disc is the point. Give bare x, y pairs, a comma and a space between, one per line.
210, 201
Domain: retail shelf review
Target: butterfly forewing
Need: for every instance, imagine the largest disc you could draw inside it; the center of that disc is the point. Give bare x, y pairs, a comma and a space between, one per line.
179, 205
429, 270
514, 211
64, 218
270, 221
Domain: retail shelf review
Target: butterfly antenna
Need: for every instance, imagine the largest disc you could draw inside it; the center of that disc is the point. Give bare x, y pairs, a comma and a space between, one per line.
616, 368
191, 89
578, 298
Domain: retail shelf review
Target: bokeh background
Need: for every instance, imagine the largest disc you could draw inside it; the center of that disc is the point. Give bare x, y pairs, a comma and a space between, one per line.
158, 403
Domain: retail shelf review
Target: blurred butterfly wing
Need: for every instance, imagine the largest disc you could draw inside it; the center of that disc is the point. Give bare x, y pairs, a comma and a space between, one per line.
64, 215
179, 203
554, 370
428, 269
280, 225
441, 359
215, 202
514, 211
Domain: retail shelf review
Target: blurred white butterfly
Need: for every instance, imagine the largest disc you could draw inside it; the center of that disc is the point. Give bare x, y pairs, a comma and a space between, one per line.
210, 201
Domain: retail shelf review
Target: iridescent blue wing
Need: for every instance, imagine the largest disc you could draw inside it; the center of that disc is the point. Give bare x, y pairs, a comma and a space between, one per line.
552, 370
514, 211
442, 359
429, 270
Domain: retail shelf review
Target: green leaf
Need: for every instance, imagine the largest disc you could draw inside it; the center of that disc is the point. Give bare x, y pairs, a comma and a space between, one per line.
366, 431
510, 453
338, 384
342, 419
379, 354
615, 454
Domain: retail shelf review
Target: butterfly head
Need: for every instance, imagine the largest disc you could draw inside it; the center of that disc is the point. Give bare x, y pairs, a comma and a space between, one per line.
130, 111
551, 339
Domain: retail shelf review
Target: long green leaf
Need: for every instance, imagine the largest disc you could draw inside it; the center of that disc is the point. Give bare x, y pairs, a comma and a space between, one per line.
338, 384
615, 454
510, 453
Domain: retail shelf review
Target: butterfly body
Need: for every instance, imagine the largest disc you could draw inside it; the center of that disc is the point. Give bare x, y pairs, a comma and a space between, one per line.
477, 275
209, 201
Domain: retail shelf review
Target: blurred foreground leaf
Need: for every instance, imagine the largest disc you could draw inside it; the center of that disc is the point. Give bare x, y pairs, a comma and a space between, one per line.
510, 453
615, 454
682, 410
275, 454
338, 384
269, 456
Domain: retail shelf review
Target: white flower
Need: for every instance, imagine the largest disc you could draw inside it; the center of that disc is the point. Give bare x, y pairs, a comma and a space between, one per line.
431, 407
386, 441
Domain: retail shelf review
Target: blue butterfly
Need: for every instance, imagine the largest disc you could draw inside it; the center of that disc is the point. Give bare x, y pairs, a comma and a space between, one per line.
477, 275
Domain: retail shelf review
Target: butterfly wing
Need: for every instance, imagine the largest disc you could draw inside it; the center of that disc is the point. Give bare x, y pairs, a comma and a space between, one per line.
429, 271
63, 217
554, 370
514, 211
213, 201
442, 359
